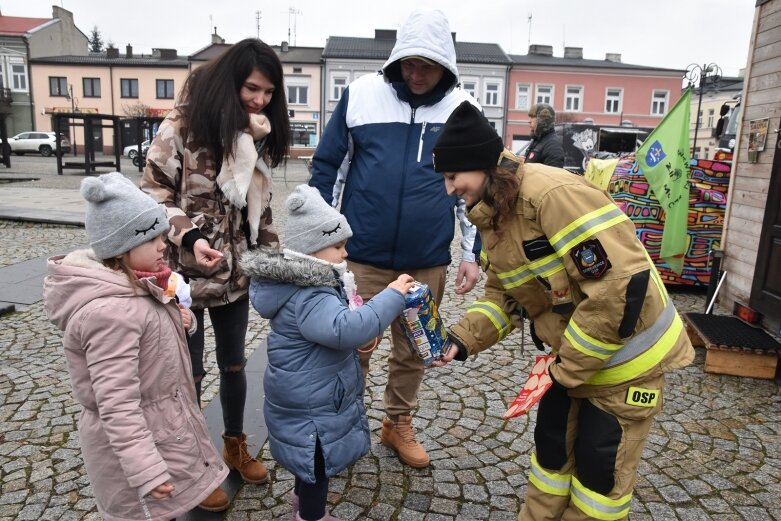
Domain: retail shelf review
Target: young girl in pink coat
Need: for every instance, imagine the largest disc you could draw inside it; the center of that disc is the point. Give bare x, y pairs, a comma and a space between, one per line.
144, 441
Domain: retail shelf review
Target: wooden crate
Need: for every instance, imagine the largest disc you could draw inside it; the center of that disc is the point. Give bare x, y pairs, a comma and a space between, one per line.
733, 360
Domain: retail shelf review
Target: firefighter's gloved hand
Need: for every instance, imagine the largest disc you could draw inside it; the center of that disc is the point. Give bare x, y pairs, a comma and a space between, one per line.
514, 311
453, 350
538, 343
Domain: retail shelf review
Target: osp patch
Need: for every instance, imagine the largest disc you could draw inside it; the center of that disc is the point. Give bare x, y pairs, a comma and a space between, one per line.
590, 259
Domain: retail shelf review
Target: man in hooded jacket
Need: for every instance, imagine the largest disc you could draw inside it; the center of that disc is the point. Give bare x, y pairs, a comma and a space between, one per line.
377, 146
546, 146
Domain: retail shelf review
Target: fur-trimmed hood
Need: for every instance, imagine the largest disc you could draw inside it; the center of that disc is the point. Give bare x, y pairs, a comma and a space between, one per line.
276, 267
79, 277
278, 278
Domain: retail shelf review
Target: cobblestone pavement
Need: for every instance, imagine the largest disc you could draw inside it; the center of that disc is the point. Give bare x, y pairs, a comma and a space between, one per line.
714, 453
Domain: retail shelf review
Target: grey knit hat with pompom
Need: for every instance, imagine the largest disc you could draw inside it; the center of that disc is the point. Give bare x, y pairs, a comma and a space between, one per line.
312, 224
119, 215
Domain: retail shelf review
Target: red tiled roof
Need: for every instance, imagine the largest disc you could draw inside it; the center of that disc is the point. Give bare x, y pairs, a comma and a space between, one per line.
18, 25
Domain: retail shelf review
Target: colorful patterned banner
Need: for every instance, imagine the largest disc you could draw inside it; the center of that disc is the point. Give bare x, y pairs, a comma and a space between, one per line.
707, 203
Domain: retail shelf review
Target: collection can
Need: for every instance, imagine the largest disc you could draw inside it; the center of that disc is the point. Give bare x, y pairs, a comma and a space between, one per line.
422, 324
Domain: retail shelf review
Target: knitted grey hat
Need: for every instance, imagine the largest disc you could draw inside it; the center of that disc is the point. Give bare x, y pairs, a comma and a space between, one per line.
119, 215
312, 224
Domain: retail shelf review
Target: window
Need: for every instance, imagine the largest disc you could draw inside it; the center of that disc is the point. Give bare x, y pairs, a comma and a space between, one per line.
470, 85
659, 102
128, 88
699, 118
303, 134
18, 74
711, 116
338, 84
522, 96
58, 86
613, 101
544, 94
296, 70
165, 89
573, 102
2, 75
297, 94
91, 87
492, 94
297, 90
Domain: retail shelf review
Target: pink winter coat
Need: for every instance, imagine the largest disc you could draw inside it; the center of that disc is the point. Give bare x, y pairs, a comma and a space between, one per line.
130, 370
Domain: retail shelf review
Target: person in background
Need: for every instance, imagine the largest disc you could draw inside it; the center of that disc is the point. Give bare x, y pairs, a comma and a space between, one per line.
143, 437
546, 146
558, 248
313, 383
209, 164
377, 145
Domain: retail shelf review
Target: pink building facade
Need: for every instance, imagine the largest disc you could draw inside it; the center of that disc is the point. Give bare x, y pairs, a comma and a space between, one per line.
603, 92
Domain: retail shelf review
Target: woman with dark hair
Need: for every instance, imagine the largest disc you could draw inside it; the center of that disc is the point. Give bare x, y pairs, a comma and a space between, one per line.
558, 251
210, 166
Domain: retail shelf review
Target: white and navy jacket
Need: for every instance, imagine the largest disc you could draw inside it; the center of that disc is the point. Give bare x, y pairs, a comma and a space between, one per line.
378, 146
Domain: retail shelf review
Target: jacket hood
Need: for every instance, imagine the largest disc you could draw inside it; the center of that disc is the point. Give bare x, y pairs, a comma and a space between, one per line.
426, 34
279, 277
76, 279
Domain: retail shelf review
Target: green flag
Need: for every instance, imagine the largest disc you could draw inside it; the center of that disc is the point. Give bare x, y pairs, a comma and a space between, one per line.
665, 161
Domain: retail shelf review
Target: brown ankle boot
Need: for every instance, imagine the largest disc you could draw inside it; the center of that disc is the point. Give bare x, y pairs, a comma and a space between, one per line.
236, 457
216, 502
400, 437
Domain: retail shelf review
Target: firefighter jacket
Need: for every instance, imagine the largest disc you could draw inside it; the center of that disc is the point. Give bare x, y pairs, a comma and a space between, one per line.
572, 261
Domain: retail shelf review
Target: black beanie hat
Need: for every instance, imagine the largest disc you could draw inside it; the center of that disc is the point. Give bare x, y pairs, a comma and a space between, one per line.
468, 142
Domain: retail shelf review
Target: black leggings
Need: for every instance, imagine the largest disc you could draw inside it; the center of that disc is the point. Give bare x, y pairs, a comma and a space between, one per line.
312, 497
230, 330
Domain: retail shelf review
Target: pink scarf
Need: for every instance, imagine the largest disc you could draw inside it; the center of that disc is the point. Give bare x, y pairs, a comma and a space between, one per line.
161, 277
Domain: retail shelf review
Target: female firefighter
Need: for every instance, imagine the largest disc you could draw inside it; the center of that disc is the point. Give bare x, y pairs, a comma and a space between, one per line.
559, 249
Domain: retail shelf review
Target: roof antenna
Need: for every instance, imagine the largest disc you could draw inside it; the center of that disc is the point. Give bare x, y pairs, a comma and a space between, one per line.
563, 36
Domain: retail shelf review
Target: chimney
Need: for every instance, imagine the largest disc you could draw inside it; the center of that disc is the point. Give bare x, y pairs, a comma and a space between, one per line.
385, 34
128, 51
62, 14
573, 52
164, 54
216, 38
541, 50
285, 47
613, 57
112, 52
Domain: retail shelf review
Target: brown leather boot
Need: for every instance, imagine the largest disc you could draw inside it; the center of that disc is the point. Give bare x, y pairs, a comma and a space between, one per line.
236, 457
216, 502
400, 437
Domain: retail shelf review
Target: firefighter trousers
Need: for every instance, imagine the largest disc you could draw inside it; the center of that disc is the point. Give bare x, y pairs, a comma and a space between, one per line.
587, 451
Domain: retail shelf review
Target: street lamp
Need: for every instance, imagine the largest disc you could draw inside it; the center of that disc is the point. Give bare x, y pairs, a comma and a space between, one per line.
74, 108
702, 75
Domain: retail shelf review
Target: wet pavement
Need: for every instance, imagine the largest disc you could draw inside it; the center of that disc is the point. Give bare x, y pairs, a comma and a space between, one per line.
714, 453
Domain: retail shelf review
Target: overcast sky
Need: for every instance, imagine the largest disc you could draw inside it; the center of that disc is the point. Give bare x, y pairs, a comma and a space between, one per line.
662, 33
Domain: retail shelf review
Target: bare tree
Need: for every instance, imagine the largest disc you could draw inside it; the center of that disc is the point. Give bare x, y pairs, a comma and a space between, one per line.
135, 109
95, 41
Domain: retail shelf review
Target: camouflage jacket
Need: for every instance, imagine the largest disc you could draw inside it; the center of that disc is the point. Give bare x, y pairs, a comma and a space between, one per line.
183, 177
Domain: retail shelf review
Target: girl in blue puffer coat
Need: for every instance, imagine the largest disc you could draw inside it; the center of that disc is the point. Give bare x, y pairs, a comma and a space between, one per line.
313, 383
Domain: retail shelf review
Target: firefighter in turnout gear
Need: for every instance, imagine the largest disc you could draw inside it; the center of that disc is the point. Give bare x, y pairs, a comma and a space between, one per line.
558, 249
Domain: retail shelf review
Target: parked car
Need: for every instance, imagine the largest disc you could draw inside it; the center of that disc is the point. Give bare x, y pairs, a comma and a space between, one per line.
132, 150
44, 143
